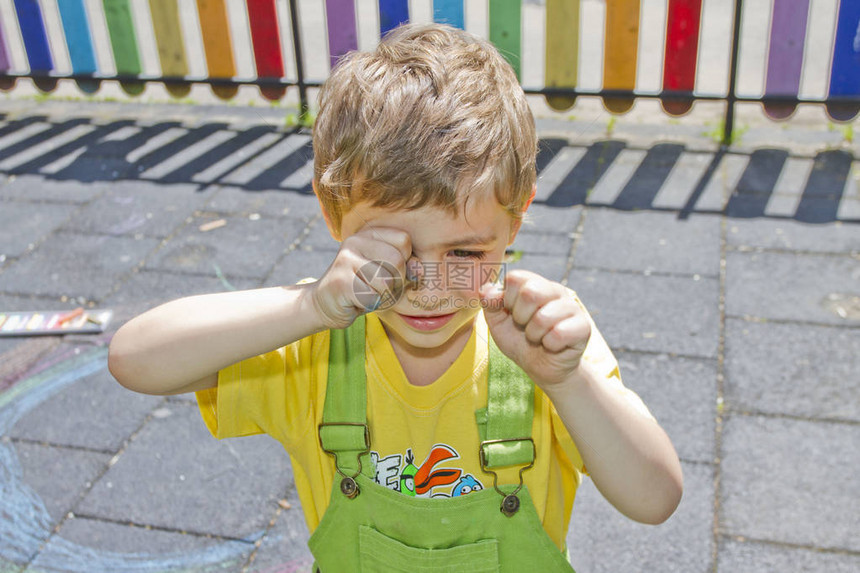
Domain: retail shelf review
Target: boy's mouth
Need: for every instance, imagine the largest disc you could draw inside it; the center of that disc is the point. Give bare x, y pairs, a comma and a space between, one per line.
426, 322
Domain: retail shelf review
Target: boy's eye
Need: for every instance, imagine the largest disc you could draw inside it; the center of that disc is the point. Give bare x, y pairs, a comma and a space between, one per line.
463, 254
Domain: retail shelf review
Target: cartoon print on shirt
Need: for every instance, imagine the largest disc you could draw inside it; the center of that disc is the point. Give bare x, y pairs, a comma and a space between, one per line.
428, 479
387, 470
466, 485
407, 476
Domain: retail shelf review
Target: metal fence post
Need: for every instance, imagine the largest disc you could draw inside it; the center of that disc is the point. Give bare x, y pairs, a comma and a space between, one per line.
300, 69
731, 97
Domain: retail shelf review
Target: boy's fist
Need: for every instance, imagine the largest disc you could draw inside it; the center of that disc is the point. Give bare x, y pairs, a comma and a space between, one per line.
367, 272
537, 324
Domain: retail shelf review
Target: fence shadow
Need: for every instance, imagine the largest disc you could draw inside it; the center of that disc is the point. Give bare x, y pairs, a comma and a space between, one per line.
608, 173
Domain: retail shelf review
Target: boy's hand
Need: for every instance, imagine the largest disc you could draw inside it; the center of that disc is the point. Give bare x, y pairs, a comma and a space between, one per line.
341, 294
538, 325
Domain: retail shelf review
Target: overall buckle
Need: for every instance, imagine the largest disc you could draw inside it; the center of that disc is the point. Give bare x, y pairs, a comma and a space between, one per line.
510, 502
348, 486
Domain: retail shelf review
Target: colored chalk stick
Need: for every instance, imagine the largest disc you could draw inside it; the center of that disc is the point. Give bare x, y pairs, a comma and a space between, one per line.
79, 41
123, 42
562, 50
392, 13
845, 71
449, 12
785, 54
682, 50
5, 67
168, 39
621, 44
505, 30
267, 45
342, 34
217, 44
36, 45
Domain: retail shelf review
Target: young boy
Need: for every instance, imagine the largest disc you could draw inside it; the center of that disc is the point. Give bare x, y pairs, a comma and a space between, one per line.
415, 443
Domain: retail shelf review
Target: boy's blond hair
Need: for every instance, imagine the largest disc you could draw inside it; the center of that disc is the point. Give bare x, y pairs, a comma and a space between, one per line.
431, 116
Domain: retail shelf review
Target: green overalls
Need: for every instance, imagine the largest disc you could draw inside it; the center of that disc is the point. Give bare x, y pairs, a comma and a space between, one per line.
371, 528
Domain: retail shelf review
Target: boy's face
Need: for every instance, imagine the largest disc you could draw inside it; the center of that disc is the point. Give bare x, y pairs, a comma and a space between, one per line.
457, 255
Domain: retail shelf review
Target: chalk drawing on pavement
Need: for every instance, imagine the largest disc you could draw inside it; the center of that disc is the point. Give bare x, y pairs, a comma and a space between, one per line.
25, 524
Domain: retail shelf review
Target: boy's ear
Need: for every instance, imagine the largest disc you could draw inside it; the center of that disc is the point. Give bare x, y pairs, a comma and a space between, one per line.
334, 232
531, 198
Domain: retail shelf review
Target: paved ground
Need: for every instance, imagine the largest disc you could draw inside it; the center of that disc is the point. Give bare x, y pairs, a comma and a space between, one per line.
729, 284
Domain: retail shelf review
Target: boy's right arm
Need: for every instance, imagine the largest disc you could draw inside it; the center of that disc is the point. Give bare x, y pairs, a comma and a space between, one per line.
180, 346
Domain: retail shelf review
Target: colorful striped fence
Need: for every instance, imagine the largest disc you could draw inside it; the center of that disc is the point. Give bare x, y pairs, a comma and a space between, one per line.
274, 45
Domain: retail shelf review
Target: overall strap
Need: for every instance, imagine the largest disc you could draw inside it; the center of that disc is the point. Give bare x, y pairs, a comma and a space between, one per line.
510, 409
344, 432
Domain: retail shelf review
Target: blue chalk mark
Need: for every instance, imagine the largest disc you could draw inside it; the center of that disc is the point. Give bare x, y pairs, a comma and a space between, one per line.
392, 13
449, 12
27, 526
35, 38
78, 38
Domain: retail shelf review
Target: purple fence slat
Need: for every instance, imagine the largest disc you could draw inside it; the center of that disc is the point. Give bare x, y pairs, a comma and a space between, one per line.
4, 55
342, 36
785, 54
787, 36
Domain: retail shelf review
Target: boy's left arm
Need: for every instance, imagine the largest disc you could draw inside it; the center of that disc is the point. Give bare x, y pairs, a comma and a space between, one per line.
540, 326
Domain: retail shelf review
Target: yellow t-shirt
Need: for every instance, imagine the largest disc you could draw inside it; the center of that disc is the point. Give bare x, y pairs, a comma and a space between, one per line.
423, 438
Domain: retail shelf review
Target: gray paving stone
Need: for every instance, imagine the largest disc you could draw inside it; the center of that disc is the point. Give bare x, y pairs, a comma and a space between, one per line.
529, 241
23, 225
790, 286
9, 566
800, 370
615, 168
652, 313
272, 203
649, 241
791, 481
139, 208
180, 159
242, 248
641, 189
31, 503
300, 264
105, 415
682, 395
90, 546
86, 169
752, 557
541, 217
555, 162
41, 464
603, 540
32, 187
597, 175
837, 237
75, 265
319, 238
550, 267
175, 475
687, 181
43, 143
285, 547
145, 289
